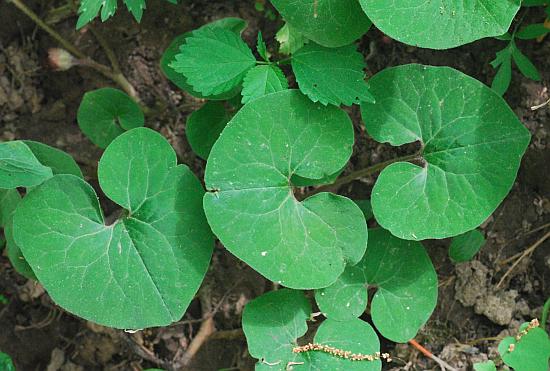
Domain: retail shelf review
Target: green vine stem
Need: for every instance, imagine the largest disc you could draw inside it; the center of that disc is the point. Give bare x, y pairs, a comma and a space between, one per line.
84, 60
544, 317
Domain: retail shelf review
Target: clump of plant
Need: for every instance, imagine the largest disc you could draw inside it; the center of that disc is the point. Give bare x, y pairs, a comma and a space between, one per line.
262, 141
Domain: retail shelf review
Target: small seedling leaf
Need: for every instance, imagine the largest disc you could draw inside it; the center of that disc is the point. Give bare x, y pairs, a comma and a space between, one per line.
472, 144
526, 67
6, 364
106, 113
441, 25
250, 203
530, 353
19, 167
204, 127
139, 272
485, 366
290, 39
331, 23
331, 75
214, 60
465, 246
262, 47
263, 80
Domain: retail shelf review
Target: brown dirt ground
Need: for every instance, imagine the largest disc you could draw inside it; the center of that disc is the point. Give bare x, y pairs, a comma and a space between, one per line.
41, 104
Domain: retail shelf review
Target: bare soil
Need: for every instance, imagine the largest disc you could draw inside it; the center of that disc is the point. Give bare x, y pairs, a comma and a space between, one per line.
40, 104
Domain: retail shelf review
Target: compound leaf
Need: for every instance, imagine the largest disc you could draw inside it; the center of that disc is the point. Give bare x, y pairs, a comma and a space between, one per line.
526, 67
250, 204
214, 60
472, 144
441, 25
272, 323
465, 246
106, 113
290, 39
331, 23
263, 80
204, 127
19, 167
531, 352
236, 25
332, 76
141, 271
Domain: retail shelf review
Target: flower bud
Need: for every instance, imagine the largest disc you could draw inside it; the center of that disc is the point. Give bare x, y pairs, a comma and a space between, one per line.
60, 59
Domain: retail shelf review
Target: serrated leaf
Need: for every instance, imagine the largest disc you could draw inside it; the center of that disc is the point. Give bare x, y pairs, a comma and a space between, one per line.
530, 353
141, 271
272, 323
19, 167
332, 76
106, 113
472, 144
406, 282
331, 23
263, 80
441, 25
236, 25
214, 60
204, 127
465, 246
261, 47
485, 366
250, 205
290, 39
526, 67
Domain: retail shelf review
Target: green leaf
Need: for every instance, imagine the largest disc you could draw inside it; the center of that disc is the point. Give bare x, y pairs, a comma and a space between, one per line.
59, 161
472, 144
6, 363
332, 76
331, 23
141, 271
236, 25
299, 181
485, 366
532, 31
250, 204
19, 167
441, 25
526, 67
262, 48
214, 60
465, 246
9, 199
263, 80
290, 39
366, 208
273, 322
530, 353
406, 282
204, 127
503, 77
106, 113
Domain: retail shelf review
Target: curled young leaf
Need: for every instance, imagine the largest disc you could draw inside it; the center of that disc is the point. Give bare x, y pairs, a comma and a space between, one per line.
250, 203
472, 144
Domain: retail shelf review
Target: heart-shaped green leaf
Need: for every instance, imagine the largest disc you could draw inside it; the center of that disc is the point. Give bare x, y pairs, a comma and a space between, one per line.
331, 23
530, 353
236, 25
263, 80
106, 113
465, 246
406, 281
214, 60
141, 271
19, 167
332, 76
472, 144
441, 25
204, 127
250, 204
272, 323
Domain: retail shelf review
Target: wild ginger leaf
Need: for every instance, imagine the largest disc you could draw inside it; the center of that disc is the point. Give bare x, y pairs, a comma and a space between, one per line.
263, 80
531, 352
272, 323
290, 39
59, 161
214, 60
472, 144
19, 167
141, 271
250, 203
332, 76
106, 113
465, 246
331, 23
406, 281
204, 127
236, 25
441, 25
